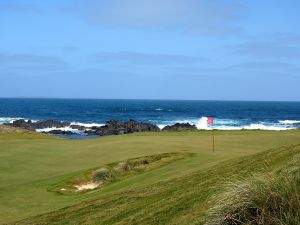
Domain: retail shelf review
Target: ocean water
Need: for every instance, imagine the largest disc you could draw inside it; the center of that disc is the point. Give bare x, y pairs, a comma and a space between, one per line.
229, 115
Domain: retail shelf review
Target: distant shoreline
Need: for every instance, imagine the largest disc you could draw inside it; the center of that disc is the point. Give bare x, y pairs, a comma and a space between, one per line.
69, 131
228, 115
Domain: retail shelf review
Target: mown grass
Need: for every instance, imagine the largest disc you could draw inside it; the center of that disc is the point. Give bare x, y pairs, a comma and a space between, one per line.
31, 165
182, 200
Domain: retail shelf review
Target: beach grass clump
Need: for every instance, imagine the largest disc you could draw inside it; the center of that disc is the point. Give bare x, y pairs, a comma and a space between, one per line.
103, 174
265, 200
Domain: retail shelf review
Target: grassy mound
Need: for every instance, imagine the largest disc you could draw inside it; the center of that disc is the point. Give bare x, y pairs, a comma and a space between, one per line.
264, 200
96, 177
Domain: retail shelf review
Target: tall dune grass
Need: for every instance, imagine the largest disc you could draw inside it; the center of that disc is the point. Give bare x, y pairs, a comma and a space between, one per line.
264, 200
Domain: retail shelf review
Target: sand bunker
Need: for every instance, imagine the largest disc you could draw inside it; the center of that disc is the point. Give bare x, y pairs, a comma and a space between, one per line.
87, 186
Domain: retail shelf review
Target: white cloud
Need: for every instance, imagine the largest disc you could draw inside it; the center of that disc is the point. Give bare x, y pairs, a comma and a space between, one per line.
136, 58
30, 62
205, 17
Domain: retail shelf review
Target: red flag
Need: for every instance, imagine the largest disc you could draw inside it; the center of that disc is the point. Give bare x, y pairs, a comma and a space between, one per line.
210, 120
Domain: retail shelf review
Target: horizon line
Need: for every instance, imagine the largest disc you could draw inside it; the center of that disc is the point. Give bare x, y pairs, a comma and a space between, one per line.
148, 99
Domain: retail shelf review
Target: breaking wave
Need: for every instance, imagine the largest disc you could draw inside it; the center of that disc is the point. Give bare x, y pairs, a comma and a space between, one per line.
87, 124
289, 121
48, 129
200, 123
8, 119
232, 124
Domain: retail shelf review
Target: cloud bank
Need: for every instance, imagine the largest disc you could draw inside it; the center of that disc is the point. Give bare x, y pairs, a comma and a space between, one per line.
30, 62
204, 17
138, 58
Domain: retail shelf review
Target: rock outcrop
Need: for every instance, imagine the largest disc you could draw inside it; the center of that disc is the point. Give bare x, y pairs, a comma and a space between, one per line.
114, 127
180, 127
29, 125
63, 132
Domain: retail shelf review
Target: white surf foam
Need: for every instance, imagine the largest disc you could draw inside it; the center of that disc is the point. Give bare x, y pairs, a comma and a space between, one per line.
48, 129
161, 126
258, 126
231, 124
221, 124
9, 119
12, 119
228, 128
228, 122
202, 123
289, 122
87, 124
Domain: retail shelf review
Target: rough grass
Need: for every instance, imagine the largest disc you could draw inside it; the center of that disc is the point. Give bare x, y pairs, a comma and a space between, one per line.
7, 129
117, 171
265, 199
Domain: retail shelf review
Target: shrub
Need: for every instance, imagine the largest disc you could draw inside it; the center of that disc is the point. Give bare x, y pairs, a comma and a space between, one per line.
102, 175
268, 200
123, 167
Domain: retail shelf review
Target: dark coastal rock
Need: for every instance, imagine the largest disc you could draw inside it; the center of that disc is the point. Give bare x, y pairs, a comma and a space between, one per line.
60, 132
50, 123
29, 125
78, 127
180, 127
22, 124
133, 126
114, 127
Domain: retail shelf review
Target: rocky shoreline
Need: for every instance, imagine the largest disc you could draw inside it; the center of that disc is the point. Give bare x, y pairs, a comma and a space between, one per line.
112, 127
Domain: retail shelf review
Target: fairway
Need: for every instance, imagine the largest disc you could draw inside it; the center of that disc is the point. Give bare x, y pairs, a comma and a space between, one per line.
32, 164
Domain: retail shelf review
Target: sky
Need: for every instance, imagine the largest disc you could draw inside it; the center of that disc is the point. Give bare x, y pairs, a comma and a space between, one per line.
151, 49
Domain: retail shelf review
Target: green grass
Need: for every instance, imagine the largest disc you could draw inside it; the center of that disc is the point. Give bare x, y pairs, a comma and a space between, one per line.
176, 193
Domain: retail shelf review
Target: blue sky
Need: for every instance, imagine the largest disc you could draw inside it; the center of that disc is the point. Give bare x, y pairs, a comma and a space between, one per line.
150, 49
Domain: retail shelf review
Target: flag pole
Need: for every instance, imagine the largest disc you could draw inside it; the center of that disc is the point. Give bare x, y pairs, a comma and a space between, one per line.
210, 121
213, 138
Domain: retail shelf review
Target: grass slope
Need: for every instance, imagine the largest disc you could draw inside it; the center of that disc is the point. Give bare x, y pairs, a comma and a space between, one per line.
182, 200
31, 165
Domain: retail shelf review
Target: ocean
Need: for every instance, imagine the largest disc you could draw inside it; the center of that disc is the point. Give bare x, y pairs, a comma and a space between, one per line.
229, 115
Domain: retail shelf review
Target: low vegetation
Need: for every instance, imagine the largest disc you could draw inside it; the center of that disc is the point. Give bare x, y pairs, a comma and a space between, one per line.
265, 199
97, 177
7, 129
